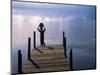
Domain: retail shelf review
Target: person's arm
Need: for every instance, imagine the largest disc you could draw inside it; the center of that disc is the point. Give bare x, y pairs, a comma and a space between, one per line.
44, 29
38, 28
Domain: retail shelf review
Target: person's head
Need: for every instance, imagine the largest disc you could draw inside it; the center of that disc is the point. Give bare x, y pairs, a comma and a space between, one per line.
41, 25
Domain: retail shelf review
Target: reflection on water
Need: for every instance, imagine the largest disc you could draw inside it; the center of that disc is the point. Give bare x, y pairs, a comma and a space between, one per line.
84, 58
78, 23
77, 38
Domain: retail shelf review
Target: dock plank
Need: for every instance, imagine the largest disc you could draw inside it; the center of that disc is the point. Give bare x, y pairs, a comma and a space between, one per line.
52, 59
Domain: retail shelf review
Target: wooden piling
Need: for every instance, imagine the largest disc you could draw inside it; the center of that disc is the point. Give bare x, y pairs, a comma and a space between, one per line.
29, 47
71, 60
19, 62
65, 47
34, 36
63, 37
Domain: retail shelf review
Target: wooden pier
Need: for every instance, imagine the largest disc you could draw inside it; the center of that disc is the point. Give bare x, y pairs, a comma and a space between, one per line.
48, 59
51, 58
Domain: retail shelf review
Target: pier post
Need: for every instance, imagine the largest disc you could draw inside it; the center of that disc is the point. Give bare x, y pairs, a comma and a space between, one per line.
29, 47
65, 47
71, 60
19, 62
34, 36
63, 37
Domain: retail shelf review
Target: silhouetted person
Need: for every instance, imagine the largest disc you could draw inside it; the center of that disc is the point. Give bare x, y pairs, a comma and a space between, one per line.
41, 29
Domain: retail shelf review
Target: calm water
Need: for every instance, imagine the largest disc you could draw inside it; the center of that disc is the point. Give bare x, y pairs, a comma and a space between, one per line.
78, 23
14, 59
84, 58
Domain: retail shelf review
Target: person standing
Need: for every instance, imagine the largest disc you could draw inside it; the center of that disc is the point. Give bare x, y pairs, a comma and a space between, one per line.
42, 30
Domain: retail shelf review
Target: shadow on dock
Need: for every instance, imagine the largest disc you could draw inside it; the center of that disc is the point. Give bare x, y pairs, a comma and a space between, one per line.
33, 62
39, 50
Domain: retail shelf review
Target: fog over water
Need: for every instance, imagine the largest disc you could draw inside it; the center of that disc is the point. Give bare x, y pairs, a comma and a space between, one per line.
78, 23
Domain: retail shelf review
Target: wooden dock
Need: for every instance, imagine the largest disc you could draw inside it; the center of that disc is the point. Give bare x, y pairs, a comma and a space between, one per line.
47, 59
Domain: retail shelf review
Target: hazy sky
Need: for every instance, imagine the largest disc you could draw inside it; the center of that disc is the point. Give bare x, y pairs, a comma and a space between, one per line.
77, 21
29, 8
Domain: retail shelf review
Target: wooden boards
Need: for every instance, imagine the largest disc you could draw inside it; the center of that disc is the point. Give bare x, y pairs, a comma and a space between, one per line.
48, 59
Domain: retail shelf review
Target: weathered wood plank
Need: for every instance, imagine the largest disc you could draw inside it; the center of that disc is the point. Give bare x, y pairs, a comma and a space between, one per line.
48, 62
47, 69
47, 51
52, 59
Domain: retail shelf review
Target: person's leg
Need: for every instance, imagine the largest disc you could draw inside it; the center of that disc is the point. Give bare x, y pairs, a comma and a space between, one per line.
43, 41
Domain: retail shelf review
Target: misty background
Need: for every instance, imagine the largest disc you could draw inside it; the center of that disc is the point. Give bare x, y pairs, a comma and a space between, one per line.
77, 21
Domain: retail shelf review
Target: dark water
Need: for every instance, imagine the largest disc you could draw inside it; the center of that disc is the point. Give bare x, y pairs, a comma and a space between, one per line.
14, 58
84, 58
